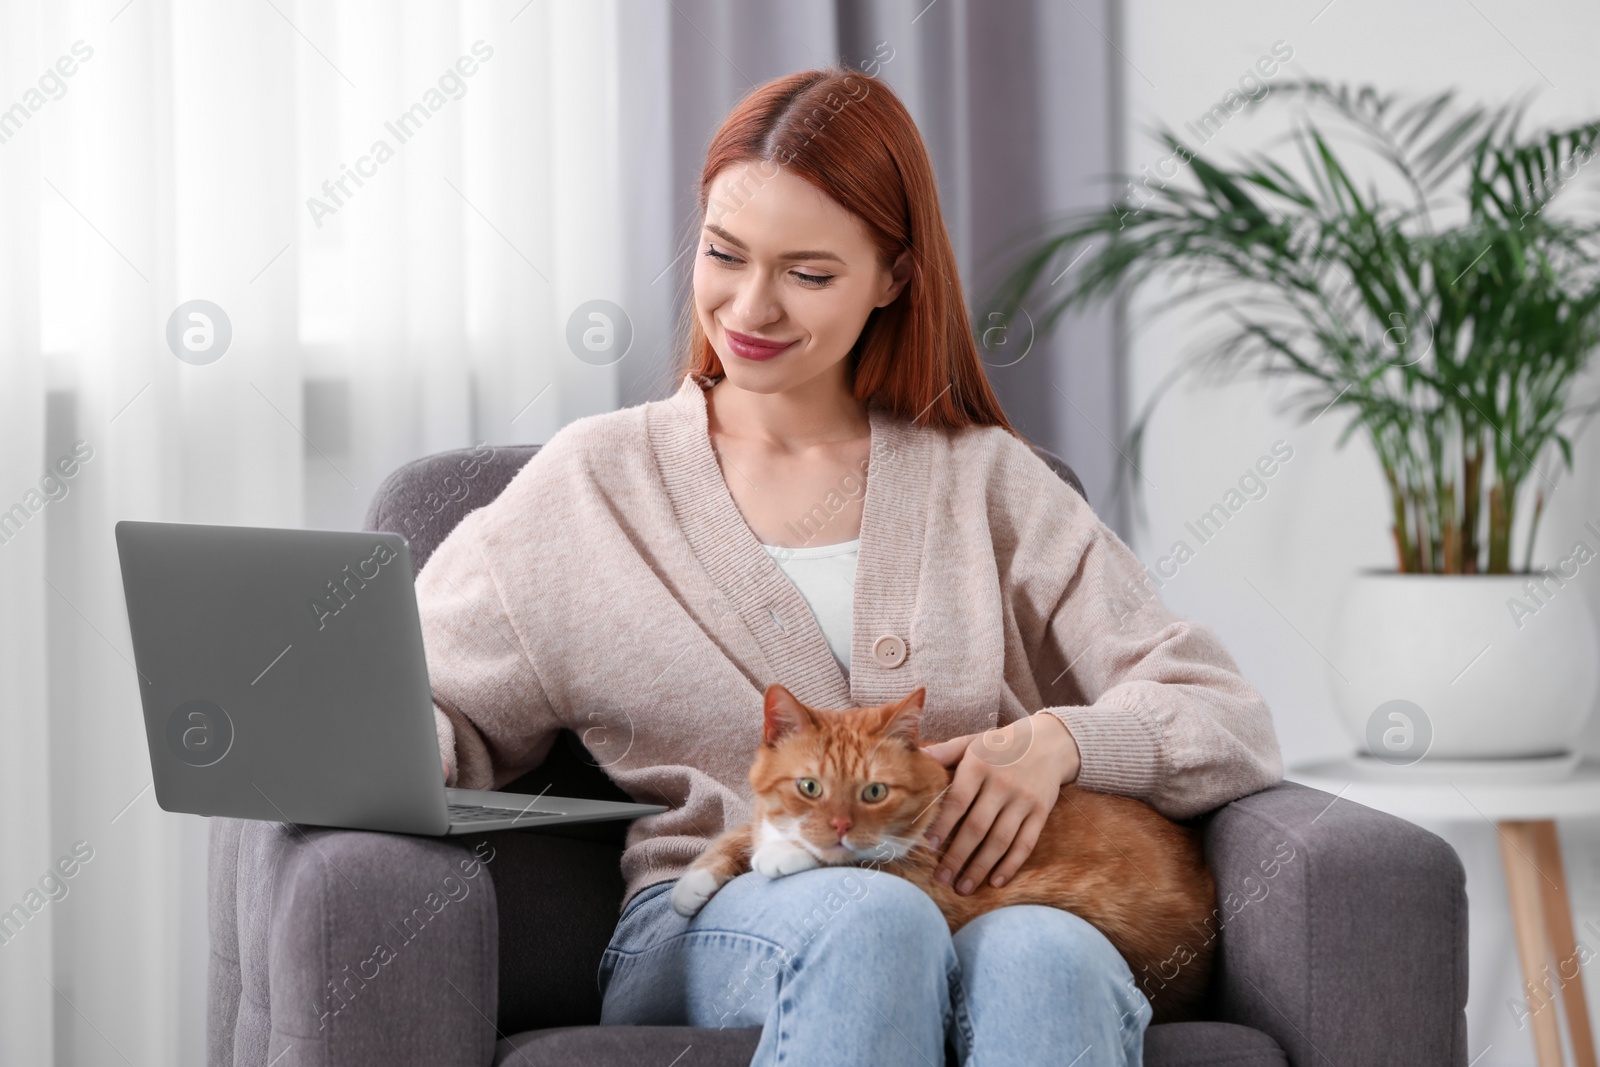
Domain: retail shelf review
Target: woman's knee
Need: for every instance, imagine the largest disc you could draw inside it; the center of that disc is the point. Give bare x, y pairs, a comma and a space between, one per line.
860, 907
1029, 961
1039, 940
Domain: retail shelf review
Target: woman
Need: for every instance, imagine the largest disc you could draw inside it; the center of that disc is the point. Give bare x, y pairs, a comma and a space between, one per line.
833, 500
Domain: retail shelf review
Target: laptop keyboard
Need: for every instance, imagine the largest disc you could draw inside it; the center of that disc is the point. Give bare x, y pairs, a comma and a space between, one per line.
475, 813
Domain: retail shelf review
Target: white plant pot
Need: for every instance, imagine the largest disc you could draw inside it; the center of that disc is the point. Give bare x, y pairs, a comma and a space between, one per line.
1489, 684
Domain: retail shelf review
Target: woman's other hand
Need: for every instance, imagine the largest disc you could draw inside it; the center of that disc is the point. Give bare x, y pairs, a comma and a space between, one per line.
1006, 781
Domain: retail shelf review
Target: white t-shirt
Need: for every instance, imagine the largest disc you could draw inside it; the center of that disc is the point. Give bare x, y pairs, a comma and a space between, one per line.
826, 578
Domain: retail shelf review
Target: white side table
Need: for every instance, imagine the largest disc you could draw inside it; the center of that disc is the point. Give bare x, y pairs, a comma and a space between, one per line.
1523, 803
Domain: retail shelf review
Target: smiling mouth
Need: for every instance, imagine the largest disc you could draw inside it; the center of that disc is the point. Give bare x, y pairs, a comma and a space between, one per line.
754, 348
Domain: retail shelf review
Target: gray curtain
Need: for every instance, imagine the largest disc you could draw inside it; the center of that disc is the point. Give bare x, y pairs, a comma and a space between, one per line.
1019, 103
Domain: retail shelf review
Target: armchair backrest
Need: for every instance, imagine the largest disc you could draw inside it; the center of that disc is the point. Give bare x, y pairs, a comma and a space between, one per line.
423, 500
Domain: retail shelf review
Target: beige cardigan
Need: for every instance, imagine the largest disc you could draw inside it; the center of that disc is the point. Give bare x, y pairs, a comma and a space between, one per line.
614, 588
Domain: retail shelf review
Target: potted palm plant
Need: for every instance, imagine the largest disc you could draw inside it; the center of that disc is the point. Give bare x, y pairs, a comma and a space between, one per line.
1446, 305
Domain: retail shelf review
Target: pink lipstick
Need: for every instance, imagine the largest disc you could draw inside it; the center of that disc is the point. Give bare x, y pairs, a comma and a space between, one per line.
748, 347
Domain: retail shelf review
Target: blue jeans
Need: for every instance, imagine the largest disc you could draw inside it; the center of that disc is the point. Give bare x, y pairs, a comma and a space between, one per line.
845, 965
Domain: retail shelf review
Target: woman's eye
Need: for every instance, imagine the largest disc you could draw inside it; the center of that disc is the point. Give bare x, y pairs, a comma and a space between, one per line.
809, 787
874, 792
812, 281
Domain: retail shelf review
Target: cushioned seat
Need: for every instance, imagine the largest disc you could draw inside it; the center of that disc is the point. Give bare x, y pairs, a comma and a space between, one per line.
1168, 1045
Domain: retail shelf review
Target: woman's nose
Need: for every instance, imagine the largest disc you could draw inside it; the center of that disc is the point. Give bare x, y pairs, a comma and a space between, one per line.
756, 305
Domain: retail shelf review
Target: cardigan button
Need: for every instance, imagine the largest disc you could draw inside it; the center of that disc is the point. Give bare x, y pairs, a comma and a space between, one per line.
889, 651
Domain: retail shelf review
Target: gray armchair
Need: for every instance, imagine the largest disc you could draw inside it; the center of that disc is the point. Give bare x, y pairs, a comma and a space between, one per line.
1343, 937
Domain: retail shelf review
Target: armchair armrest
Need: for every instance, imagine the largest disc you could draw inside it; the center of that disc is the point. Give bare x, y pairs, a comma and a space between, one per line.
342, 947
381, 948
1344, 930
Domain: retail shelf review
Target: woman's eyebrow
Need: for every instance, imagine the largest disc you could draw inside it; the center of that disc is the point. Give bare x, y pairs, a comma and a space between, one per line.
802, 254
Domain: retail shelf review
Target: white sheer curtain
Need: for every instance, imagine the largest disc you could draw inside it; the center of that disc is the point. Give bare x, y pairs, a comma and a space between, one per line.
425, 311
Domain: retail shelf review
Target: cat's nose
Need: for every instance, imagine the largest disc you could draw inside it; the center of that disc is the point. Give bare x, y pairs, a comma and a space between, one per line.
842, 824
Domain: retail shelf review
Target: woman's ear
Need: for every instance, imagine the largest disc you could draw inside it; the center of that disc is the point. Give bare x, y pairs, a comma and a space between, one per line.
900, 275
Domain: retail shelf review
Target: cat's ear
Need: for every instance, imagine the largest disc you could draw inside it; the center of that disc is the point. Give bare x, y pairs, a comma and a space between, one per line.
902, 718
782, 715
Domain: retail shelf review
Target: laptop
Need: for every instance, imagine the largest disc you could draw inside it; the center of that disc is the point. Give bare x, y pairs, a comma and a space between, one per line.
283, 678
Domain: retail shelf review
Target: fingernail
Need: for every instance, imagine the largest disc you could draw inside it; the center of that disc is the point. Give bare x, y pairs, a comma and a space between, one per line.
945, 875
933, 838
998, 880
965, 887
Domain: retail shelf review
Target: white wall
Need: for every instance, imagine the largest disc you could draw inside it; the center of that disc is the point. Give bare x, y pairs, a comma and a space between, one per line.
1324, 515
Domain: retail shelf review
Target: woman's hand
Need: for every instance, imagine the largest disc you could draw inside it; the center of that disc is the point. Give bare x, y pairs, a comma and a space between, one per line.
1006, 781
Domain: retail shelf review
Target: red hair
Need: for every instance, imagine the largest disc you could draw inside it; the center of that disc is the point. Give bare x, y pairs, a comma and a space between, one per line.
849, 135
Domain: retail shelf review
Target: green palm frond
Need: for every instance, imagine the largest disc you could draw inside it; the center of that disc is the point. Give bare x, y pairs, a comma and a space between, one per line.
1454, 348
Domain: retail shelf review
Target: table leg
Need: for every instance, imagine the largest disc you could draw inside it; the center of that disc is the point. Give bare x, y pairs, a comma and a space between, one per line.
1563, 945
1517, 852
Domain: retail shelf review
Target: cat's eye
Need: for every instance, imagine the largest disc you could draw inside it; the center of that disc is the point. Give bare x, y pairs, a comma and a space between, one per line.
874, 792
809, 787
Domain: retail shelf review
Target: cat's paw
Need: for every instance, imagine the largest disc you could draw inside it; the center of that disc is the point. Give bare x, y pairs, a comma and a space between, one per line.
778, 858
692, 890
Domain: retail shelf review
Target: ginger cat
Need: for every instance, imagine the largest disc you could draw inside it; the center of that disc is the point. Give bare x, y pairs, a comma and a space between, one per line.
1116, 862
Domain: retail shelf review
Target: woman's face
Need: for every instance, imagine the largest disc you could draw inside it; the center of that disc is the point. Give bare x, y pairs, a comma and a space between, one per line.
782, 263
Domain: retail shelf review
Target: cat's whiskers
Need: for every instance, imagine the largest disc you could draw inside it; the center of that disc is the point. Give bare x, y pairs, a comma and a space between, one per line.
890, 847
